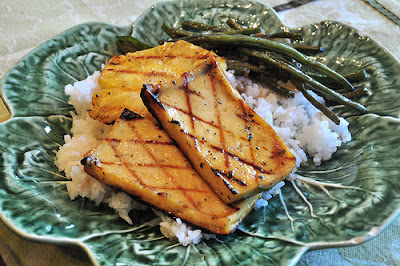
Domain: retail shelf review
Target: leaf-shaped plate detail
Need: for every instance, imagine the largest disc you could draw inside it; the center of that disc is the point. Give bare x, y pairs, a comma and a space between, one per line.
342, 202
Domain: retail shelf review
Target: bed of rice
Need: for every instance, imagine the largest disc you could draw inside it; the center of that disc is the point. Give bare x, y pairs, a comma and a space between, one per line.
300, 125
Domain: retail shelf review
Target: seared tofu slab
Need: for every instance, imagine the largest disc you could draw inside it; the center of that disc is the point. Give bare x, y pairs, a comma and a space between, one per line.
123, 76
232, 148
141, 159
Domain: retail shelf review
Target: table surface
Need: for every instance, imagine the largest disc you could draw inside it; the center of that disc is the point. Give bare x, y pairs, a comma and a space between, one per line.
27, 24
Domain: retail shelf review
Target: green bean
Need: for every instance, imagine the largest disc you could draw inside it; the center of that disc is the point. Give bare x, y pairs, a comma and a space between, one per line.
244, 31
284, 34
130, 44
243, 68
274, 86
198, 26
239, 65
255, 42
325, 110
354, 76
356, 93
233, 24
174, 33
297, 74
307, 48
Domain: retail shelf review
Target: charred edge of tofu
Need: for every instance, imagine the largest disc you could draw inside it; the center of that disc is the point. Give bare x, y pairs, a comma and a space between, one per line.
130, 115
89, 161
226, 182
149, 95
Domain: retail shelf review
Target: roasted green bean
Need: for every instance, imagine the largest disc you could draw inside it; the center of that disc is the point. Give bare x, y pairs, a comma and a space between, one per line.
355, 76
299, 75
284, 34
198, 26
255, 42
233, 24
174, 33
307, 49
130, 44
325, 110
356, 93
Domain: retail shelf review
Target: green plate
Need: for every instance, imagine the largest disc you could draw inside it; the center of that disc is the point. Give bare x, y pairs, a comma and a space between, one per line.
345, 201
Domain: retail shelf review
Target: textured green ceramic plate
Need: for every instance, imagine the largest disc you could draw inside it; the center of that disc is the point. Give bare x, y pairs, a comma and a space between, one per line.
343, 202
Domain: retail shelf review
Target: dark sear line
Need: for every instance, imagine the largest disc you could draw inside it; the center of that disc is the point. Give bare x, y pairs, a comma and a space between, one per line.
154, 157
194, 116
231, 177
246, 118
186, 79
163, 166
238, 158
226, 182
248, 128
146, 165
89, 161
171, 57
186, 88
149, 74
133, 173
234, 156
144, 142
219, 127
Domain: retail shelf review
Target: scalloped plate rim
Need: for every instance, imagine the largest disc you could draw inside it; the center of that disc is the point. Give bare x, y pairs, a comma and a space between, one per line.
302, 247
37, 48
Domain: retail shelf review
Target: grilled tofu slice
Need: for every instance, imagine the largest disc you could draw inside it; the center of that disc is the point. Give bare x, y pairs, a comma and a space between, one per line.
232, 148
141, 159
155, 65
123, 76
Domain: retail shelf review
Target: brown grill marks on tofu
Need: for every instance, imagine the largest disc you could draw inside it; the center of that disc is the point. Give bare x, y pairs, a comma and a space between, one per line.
143, 73
185, 87
161, 64
123, 77
138, 157
158, 164
231, 147
218, 117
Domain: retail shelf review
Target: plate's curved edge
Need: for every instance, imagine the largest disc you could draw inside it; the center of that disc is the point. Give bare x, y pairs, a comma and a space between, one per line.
49, 240
41, 46
374, 232
148, 10
10, 225
169, 2
305, 247
361, 34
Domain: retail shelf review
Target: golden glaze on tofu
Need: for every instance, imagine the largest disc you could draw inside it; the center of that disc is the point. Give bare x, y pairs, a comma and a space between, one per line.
141, 159
123, 76
232, 148
156, 65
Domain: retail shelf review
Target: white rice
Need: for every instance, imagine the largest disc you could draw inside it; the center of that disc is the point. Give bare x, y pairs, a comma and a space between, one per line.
300, 125
303, 128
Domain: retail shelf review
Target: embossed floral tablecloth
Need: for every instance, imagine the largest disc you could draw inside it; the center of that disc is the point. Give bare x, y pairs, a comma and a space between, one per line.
26, 24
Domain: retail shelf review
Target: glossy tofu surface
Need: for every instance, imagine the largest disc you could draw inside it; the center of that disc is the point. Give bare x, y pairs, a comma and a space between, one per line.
141, 159
124, 76
232, 148
154, 66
